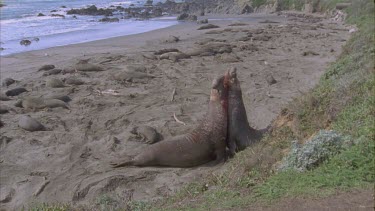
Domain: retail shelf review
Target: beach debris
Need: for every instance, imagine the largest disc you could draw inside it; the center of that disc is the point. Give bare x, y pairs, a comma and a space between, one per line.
8, 81
173, 94
147, 134
41, 188
54, 83
177, 120
108, 92
30, 124
307, 53
15, 91
25, 42
46, 67
208, 26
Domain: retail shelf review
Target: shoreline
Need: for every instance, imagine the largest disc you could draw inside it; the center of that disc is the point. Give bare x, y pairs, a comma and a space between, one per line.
133, 41
73, 155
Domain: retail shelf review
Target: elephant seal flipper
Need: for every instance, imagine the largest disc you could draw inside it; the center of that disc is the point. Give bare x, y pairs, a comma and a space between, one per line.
204, 144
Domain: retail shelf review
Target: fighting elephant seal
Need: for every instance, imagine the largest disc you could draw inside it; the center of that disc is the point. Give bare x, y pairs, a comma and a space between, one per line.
205, 143
240, 134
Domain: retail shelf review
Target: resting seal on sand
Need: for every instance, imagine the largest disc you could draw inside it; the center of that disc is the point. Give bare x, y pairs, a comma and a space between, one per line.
30, 124
205, 143
240, 134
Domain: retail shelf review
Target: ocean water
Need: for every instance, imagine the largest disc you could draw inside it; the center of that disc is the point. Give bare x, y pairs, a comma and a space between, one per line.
19, 21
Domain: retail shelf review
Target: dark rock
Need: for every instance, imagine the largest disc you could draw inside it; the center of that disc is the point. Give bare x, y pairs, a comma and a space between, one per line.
204, 21
30, 124
187, 17
16, 91
208, 26
8, 82
92, 10
247, 9
41, 14
58, 15
36, 39
2, 5
53, 11
107, 19
25, 42
270, 79
46, 67
149, 3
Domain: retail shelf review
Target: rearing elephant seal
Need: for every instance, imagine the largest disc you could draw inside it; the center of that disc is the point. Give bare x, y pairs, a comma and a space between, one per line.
240, 134
205, 143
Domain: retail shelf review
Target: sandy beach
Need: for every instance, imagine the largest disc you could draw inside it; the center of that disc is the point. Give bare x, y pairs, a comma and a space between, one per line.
278, 58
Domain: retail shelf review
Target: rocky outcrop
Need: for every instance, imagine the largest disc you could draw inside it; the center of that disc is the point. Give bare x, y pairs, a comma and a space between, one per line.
92, 10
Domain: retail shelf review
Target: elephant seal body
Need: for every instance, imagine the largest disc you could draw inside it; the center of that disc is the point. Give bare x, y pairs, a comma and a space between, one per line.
30, 124
240, 134
15, 91
54, 83
205, 143
37, 103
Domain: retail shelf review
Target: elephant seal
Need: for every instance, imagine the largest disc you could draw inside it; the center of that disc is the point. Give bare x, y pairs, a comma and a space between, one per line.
54, 83
240, 134
37, 103
204, 144
15, 91
30, 124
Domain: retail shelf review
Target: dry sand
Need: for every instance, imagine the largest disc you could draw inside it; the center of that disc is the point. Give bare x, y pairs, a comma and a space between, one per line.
69, 163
